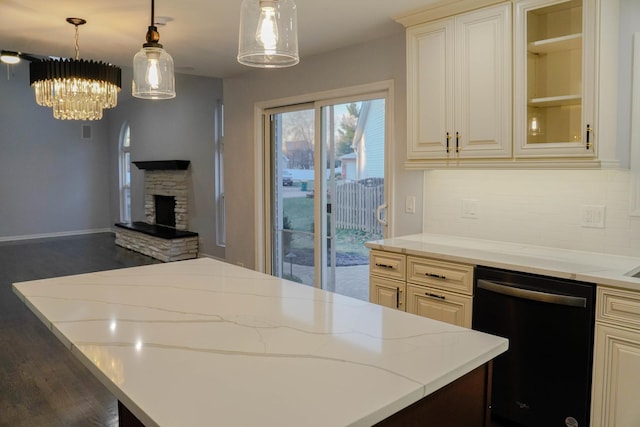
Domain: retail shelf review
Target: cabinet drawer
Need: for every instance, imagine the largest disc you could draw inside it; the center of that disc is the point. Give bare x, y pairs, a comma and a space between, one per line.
387, 292
618, 306
439, 305
388, 264
440, 274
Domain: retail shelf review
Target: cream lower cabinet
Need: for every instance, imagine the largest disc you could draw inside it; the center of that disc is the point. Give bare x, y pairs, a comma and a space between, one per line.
387, 292
616, 372
440, 290
387, 274
439, 305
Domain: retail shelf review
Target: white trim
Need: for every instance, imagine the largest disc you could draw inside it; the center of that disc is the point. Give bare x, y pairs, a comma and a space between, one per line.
634, 143
58, 234
382, 89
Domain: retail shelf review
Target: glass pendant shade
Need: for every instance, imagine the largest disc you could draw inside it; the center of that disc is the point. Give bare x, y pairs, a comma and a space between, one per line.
268, 35
153, 76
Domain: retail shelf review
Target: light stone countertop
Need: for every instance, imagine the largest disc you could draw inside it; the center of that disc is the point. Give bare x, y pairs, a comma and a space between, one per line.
594, 267
202, 342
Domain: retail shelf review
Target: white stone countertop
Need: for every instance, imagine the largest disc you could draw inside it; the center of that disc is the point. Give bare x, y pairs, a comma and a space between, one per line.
594, 267
202, 342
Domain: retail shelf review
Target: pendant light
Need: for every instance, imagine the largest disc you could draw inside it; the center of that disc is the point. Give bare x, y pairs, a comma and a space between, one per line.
76, 89
153, 76
268, 35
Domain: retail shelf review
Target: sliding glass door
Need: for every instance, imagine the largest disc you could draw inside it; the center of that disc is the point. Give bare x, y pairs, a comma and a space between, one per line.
326, 174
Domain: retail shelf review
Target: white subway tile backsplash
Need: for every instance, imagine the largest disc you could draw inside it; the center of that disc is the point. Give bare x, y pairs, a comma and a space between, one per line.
540, 207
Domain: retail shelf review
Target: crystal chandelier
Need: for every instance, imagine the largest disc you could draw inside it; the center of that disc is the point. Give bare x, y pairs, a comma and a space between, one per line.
74, 88
268, 36
153, 76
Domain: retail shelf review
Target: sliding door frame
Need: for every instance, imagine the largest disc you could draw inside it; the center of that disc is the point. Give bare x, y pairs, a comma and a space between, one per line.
262, 111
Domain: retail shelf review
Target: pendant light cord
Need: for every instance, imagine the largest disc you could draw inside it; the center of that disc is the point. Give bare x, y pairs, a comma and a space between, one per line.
152, 12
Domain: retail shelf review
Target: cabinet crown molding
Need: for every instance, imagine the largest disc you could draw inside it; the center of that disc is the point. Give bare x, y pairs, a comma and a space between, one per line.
442, 9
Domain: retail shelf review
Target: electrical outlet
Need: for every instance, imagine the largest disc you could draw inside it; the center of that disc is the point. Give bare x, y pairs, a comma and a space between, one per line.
410, 204
592, 216
470, 208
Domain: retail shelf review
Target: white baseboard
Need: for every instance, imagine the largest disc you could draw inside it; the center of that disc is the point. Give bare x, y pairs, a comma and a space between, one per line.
59, 234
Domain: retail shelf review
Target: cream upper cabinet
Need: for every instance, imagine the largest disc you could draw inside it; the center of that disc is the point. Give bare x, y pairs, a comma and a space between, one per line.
535, 88
554, 78
459, 86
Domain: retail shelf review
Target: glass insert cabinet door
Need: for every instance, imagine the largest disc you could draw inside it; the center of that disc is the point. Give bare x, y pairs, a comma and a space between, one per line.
554, 81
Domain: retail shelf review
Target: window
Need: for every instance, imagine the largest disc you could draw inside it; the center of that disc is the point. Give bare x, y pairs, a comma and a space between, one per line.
125, 173
221, 234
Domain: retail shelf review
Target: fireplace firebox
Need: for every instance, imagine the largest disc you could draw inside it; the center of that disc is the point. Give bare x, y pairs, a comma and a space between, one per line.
165, 210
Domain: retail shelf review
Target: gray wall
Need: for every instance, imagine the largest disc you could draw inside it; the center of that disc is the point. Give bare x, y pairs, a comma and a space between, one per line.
372, 62
54, 183
177, 129
51, 181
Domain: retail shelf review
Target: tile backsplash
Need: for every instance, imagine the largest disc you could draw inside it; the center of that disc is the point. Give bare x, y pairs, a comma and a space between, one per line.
539, 207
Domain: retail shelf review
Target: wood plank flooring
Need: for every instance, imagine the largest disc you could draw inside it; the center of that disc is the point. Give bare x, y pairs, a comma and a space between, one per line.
41, 382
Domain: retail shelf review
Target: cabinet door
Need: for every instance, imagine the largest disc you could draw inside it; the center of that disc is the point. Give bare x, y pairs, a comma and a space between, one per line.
616, 377
430, 90
387, 292
554, 78
483, 83
439, 305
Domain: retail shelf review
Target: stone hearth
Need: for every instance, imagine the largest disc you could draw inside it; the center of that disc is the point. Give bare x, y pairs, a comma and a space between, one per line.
168, 178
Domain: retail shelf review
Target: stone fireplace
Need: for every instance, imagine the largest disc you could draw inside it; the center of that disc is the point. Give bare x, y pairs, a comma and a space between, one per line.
164, 235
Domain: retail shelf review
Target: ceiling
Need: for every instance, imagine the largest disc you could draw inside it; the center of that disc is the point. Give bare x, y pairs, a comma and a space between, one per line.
201, 35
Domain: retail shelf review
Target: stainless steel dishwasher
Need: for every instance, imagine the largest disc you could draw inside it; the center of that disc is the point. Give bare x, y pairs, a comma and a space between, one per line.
544, 379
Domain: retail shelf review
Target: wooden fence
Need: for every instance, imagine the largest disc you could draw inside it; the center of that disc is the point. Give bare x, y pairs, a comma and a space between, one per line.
355, 206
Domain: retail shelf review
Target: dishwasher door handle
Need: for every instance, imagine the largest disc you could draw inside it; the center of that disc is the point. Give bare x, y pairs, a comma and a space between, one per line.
532, 295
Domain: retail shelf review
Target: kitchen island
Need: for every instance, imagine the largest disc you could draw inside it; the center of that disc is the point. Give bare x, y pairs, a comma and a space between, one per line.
202, 342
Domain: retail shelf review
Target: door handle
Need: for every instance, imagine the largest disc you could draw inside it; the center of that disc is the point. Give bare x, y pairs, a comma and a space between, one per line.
379, 218
549, 298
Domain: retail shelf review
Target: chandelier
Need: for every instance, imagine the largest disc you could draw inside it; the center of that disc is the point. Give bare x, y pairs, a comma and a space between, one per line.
153, 76
268, 36
74, 88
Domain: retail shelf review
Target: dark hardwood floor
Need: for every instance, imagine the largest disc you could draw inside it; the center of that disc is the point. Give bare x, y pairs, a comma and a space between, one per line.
41, 382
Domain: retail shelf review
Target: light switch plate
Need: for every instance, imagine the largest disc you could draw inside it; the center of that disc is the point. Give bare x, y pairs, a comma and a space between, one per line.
410, 204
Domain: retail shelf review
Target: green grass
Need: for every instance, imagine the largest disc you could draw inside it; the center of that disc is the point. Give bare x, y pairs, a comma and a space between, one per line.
299, 210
